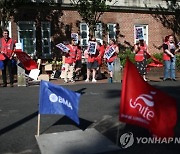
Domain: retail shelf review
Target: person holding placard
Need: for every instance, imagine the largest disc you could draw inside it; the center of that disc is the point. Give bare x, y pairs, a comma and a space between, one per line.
70, 59
92, 62
141, 54
110, 55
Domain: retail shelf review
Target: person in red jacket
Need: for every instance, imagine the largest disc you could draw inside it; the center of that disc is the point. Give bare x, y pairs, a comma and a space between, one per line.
92, 63
78, 63
70, 59
111, 59
7, 46
141, 53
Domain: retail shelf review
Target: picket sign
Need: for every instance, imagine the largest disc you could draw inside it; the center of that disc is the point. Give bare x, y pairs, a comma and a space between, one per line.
75, 37
92, 47
109, 52
63, 47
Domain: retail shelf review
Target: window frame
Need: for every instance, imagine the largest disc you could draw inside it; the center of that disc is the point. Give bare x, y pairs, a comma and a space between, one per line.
145, 32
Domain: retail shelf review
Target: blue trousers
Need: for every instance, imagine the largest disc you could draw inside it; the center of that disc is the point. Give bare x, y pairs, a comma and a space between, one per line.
169, 68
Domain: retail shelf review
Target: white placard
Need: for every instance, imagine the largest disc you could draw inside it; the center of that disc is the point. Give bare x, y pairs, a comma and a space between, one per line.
19, 46
75, 37
178, 44
92, 47
63, 47
109, 52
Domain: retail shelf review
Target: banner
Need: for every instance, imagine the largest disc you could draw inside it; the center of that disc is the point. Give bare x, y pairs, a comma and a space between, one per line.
155, 63
145, 106
92, 47
26, 60
109, 52
63, 47
54, 99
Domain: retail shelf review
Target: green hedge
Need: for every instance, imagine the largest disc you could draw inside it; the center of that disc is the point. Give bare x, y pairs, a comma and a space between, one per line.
130, 54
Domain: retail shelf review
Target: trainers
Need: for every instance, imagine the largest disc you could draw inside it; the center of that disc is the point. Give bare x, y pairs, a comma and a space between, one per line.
94, 80
72, 81
65, 81
87, 80
4, 85
11, 85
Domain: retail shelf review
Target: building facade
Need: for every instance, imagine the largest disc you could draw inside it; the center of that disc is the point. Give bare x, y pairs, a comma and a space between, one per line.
39, 26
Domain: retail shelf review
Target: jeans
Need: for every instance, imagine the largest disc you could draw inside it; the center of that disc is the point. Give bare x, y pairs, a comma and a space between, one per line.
169, 68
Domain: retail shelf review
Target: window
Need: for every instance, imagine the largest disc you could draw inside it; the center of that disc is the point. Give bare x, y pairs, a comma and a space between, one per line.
98, 33
141, 32
111, 31
46, 40
26, 36
84, 34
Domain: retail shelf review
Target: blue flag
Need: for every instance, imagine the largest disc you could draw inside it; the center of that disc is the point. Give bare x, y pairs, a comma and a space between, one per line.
54, 99
1, 65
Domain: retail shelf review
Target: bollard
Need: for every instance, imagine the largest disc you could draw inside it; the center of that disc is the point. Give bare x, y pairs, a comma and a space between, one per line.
117, 70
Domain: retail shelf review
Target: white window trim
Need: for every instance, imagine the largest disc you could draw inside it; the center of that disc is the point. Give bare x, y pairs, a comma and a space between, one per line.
141, 25
114, 25
44, 54
96, 31
34, 35
87, 31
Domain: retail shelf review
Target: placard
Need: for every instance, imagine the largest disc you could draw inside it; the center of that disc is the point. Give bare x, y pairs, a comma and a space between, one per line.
63, 47
139, 33
75, 37
108, 53
92, 47
178, 44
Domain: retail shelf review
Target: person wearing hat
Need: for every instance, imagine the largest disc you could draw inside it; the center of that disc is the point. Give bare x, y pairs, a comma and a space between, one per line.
141, 53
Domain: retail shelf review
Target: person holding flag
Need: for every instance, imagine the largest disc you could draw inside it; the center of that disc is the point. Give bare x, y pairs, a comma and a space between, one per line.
141, 54
169, 58
111, 53
7, 46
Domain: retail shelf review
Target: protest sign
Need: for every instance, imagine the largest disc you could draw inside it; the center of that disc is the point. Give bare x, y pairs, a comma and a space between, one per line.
92, 47
139, 33
63, 47
109, 52
75, 37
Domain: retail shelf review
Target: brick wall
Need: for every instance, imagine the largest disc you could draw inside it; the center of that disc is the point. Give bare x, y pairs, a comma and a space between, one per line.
126, 22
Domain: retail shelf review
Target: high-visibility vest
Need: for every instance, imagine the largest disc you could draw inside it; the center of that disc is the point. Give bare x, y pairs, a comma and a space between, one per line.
140, 55
71, 56
93, 57
79, 54
7, 47
114, 56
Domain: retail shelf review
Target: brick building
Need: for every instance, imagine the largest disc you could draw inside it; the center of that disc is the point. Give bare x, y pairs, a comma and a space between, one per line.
39, 26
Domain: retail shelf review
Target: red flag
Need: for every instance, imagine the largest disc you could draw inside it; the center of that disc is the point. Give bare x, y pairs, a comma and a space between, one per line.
145, 106
2, 57
26, 60
155, 63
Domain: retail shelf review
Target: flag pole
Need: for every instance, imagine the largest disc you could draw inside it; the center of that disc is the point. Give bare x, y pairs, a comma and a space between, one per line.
38, 127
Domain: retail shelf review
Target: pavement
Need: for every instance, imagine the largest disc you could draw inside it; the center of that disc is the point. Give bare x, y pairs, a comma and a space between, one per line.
99, 108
